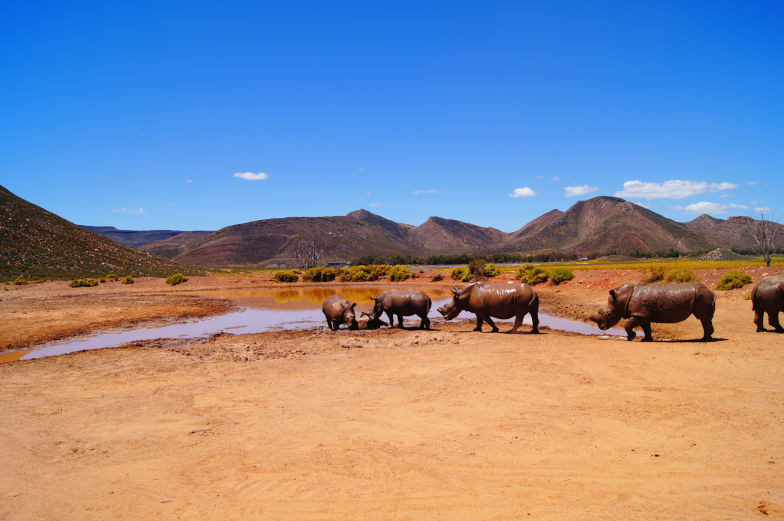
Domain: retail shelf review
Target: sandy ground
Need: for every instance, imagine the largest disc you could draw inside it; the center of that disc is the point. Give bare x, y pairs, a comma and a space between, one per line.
390, 424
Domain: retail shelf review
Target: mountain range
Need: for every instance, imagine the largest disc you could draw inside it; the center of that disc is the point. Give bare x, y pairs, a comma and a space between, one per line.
35, 241
597, 225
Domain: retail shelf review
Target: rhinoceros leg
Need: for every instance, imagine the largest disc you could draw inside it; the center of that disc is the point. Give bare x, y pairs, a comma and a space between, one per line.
629, 327
400, 321
773, 319
759, 316
707, 328
425, 323
646, 328
478, 323
535, 320
492, 324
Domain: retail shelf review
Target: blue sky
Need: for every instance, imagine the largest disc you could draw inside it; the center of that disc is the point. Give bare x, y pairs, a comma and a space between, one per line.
141, 115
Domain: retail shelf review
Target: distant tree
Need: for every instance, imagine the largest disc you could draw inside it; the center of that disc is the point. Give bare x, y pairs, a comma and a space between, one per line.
767, 235
308, 251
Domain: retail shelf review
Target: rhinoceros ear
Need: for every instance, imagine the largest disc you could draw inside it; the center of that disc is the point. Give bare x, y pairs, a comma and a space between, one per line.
613, 295
353, 304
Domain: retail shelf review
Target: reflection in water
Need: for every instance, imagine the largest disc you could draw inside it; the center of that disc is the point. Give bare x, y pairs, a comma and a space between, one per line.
276, 309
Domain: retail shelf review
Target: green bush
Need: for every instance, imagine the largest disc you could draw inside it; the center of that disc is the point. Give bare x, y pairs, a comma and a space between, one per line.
477, 267
399, 273
437, 277
532, 274
320, 274
362, 273
461, 274
112, 276
285, 276
558, 275
733, 279
491, 270
128, 280
83, 283
21, 282
177, 278
681, 275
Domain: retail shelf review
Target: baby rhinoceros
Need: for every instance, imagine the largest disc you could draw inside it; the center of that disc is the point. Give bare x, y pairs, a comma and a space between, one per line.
366, 321
768, 297
338, 310
643, 304
500, 300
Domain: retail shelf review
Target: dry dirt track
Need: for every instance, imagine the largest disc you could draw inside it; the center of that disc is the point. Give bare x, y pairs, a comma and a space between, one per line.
445, 424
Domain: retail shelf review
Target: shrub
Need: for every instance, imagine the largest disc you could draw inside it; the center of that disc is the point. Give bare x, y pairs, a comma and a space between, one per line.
491, 270
461, 274
285, 276
399, 273
320, 274
733, 279
21, 282
112, 276
128, 280
86, 283
532, 274
477, 267
655, 274
558, 275
680, 275
177, 278
437, 277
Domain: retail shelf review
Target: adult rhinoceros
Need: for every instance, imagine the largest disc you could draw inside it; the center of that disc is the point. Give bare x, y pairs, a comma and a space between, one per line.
403, 303
665, 303
768, 297
499, 300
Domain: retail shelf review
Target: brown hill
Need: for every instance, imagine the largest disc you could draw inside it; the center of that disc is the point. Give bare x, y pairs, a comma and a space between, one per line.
136, 238
439, 235
603, 224
36, 243
734, 232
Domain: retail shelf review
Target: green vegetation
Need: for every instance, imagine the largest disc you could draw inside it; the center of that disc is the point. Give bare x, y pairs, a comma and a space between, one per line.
112, 276
437, 277
491, 270
532, 274
681, 275
733, 279
399, 273
320, 274
285, 276
461, 274
363, 273
128, 280
558, 275
24, 282
654, 274
177, 278
83, 283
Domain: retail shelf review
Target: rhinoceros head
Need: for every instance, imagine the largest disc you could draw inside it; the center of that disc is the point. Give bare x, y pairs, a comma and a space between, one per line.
608, 317
449, 310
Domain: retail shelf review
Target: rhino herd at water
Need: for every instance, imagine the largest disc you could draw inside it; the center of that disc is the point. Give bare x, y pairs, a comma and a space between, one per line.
641, 304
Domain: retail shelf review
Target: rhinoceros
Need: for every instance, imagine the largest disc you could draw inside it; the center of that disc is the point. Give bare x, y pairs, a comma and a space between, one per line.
664, 303
338, 310
768, 297
403, 303
365, 321
499, 300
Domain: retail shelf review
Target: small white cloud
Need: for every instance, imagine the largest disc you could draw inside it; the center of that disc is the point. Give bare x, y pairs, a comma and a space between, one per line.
130, 209
579, 190
752, 183
522, 192
250, 176
189, 181
172, 203
673, 189
762, 210
417, 192
539, 177
376, 205
556, 178
710, 208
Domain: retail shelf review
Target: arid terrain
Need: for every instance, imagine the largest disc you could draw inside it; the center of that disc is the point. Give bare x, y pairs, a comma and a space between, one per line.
387, 424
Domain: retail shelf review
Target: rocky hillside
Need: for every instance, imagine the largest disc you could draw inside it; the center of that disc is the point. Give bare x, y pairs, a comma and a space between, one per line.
735, 232
35, 243
605, 224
